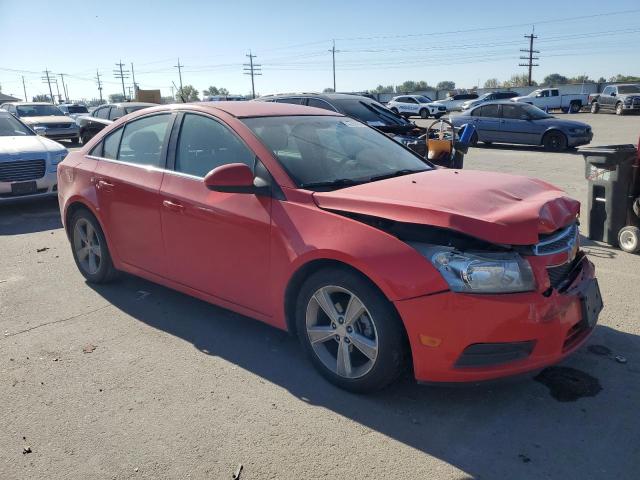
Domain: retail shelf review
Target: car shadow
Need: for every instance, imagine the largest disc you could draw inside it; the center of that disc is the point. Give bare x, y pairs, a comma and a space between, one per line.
30, 216
507, 429
598, 249
525, 148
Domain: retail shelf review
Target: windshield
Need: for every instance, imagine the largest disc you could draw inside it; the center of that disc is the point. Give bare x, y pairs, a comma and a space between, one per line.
372, 113
333, 152
484, 96
534, 112
423, 99
629, 89
10, 127
77, 109
38, 111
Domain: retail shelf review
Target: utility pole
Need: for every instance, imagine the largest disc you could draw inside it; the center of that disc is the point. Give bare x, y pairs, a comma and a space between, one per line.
64, 87
135, 85
121, 74
46, 79
252, 69
530, 58
58, 90
333, 56
179, 67
25, 89
99, 84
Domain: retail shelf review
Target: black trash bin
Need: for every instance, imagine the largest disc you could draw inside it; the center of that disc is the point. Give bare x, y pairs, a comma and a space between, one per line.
612, 172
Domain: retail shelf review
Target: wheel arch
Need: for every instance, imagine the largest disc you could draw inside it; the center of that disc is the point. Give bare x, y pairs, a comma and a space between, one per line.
77, 205
553, 129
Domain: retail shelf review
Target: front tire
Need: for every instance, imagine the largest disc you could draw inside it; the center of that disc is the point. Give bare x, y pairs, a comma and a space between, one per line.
629, 239
619, 108
554, 141
89, 248
424, 113
595, 107
350, 331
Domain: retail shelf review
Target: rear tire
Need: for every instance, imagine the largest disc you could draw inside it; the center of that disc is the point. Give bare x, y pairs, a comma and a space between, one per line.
89, 248
424, 113
341, 339
629, 239
619, 108
575, 107
554, 141
595, 107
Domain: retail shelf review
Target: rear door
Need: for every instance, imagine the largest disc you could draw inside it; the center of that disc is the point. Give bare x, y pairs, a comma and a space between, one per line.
128, 183
217, 243
487, 122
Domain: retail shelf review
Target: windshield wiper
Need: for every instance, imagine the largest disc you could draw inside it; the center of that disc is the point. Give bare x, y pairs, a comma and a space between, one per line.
339, 182
397, 173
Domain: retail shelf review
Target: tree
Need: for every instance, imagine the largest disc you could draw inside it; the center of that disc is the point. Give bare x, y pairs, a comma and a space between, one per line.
624, 78
211, 91
188, 93
412, 86
518, 80
223, 91
383, 89
328, 90
602, 80
580, 79
117, 98
41, 98
446, 85
554, 79
492, 83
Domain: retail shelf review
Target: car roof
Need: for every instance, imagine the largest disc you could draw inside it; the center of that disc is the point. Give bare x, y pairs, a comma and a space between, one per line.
326, 96
128, 104
29, 103
264, 109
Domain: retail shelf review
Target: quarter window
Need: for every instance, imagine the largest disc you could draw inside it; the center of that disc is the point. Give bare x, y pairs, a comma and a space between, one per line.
143, 139
111, 144
205, 144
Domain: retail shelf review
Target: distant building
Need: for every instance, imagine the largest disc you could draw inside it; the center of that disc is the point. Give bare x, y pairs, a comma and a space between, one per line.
8, 98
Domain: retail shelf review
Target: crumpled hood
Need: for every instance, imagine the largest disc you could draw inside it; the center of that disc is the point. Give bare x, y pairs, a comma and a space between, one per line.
495, 207
16, 147
47, 119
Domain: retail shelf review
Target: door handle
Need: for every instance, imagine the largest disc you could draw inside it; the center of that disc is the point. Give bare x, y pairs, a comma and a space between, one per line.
104, 184
173, 206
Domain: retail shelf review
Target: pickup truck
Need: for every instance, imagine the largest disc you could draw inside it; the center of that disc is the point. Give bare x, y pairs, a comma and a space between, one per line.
550, 99
616, 98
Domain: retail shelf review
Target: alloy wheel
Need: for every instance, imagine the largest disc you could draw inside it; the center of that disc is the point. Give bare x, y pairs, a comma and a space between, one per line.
87, 248
341, 332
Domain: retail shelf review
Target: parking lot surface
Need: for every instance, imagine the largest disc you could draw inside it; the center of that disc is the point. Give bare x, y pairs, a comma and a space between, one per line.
132, 380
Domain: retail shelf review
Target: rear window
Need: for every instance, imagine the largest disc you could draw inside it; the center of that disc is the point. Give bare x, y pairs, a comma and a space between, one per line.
77, 109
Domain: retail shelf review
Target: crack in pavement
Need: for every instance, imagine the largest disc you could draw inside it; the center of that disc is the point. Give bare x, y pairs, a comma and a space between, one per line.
56, 321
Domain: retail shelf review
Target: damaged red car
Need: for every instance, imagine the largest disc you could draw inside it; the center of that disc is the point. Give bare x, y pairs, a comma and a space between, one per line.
320, 225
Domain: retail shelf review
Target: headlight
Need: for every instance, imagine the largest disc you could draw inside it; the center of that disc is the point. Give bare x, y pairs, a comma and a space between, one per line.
578, 131
482, 272
58, 157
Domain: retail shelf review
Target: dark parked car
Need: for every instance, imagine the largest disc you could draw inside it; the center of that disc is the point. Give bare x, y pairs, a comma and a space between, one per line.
511, 122
362, 108
73, 110
617, 98
488, 97
105, 115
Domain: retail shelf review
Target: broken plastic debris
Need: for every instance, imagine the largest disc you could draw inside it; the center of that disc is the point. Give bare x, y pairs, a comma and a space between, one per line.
88, 348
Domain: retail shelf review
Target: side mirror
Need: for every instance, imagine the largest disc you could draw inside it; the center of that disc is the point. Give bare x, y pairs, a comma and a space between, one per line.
231, 178
40, 130
524, 116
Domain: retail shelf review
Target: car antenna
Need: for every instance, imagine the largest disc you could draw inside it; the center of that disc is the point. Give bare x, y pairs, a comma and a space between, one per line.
179, 92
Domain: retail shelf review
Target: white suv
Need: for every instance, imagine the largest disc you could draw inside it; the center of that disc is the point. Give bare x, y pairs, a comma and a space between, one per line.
414, 105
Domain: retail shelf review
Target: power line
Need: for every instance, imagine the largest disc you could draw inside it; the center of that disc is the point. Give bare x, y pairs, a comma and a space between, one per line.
252, 69
121, 74
530, 57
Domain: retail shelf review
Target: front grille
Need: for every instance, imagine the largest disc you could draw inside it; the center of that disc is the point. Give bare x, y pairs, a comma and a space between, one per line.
57, 125
557, 242
21, 170
442, 109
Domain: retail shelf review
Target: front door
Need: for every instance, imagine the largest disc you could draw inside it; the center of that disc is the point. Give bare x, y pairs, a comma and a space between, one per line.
217, 243
128, 183
517, 127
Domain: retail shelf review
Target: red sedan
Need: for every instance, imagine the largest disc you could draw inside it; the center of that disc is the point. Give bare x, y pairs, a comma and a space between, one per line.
315, 223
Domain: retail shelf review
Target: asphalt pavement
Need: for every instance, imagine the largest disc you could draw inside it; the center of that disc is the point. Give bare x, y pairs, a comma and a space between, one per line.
132, 380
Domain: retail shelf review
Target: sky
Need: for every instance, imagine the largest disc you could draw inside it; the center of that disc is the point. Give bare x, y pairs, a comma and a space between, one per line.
464, 41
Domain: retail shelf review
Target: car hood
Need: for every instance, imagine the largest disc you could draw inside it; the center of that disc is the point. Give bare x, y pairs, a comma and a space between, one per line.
559, 122
495, 207
47, 119
16, 146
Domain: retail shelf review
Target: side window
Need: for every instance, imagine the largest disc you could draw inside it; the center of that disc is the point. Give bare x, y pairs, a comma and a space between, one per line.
116, 112
111, 144
511, 111
314, 102
102, 112
489, 111
607, 91
401, 100
294, 100
411, 100
205, 144
554, 93
143, 139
